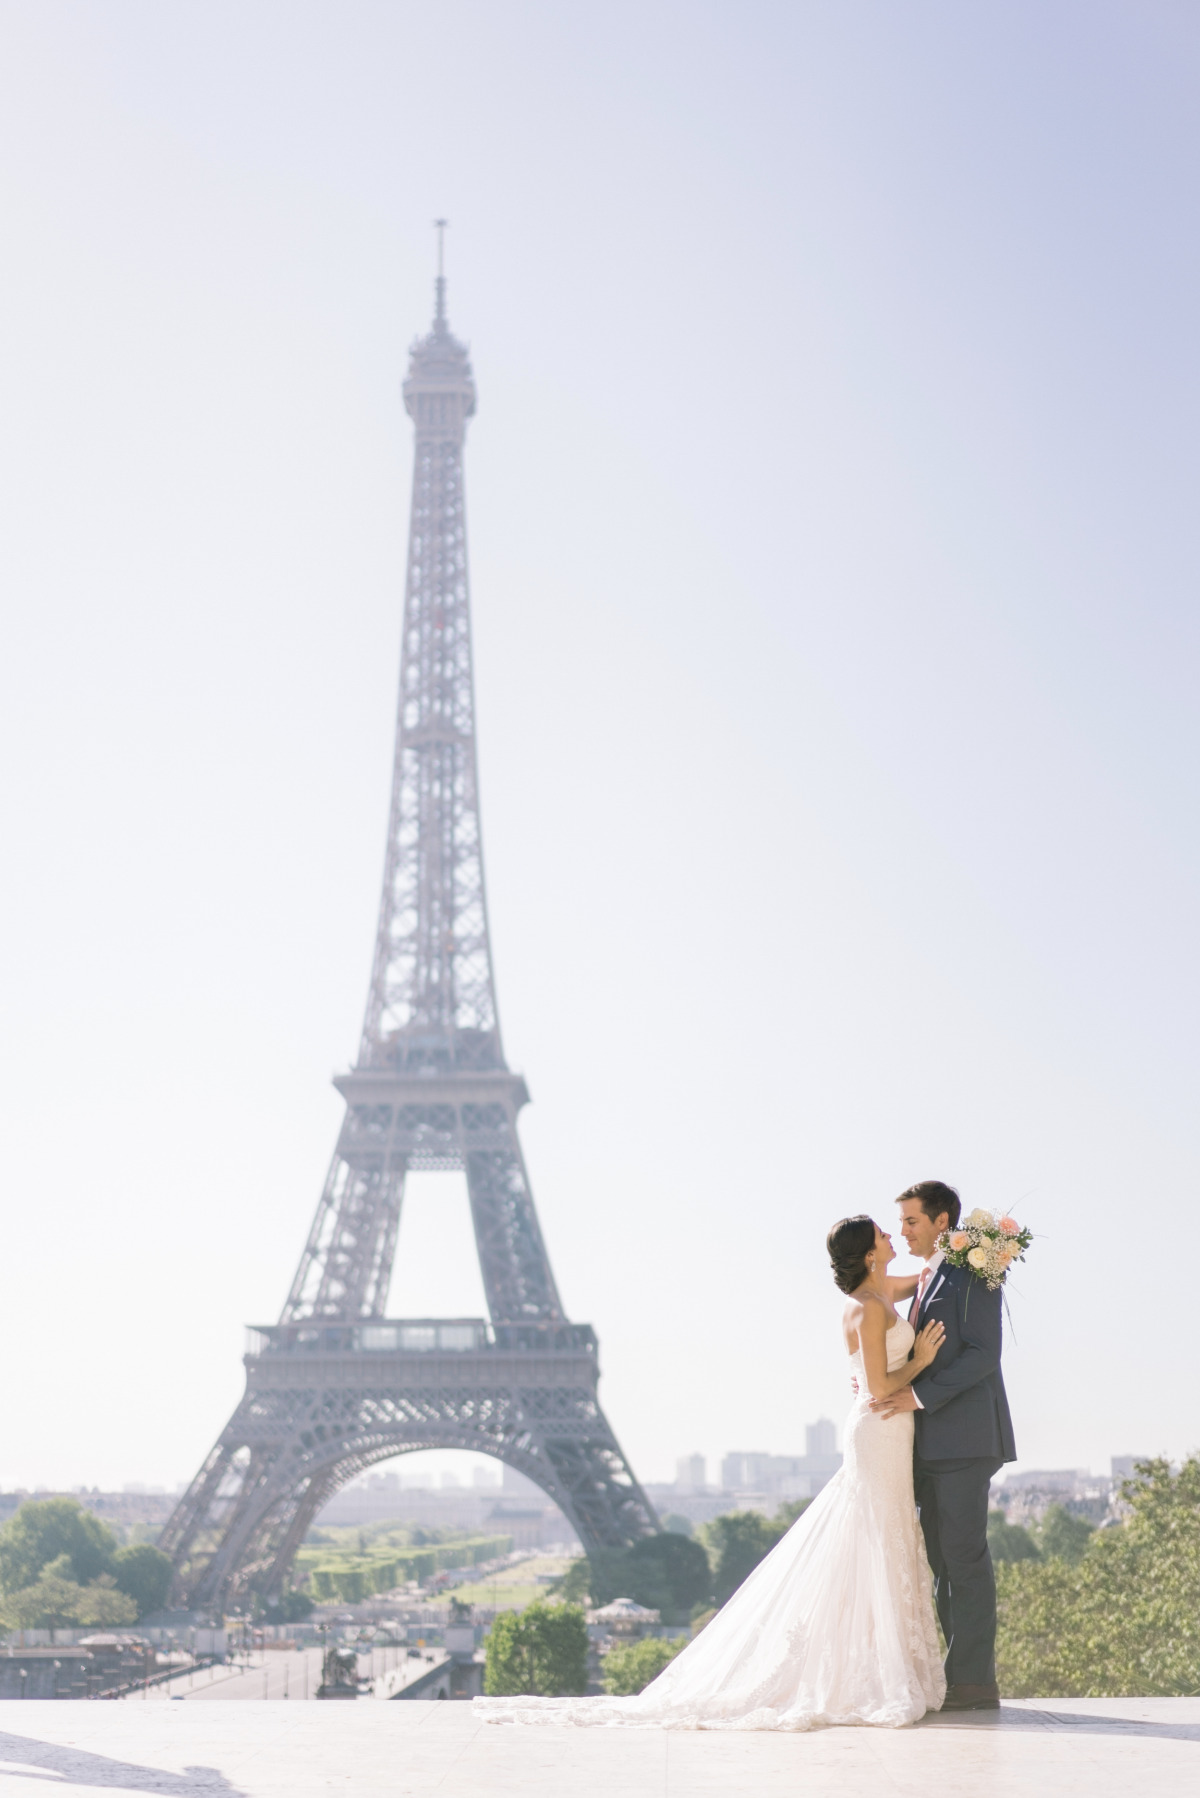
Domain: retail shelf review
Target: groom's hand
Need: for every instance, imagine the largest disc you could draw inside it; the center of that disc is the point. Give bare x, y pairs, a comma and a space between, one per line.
898, 1401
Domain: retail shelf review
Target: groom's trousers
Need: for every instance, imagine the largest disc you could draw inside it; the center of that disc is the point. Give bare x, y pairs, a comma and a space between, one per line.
953, 1501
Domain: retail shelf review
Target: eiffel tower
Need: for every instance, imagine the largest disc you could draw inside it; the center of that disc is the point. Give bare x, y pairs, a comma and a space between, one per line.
335, 1385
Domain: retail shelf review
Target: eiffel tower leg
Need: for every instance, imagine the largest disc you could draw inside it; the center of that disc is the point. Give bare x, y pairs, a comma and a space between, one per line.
598, 1491
288, 1539
347, 1262
562, 1440
195, 1507
512, 1256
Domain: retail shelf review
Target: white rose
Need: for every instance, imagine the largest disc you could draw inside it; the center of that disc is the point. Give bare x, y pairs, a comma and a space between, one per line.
981, 1219
977, 1258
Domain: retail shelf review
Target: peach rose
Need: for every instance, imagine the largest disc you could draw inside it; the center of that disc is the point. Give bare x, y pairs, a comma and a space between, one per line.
959, 1240
1010, 1226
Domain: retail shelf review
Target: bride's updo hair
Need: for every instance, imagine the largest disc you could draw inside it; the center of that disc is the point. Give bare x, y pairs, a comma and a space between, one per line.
849, 1243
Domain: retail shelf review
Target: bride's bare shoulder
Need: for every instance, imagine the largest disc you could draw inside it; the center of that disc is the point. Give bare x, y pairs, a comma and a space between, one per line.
866, 1307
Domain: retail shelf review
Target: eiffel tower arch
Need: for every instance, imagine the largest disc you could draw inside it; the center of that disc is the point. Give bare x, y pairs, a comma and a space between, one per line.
336, 1385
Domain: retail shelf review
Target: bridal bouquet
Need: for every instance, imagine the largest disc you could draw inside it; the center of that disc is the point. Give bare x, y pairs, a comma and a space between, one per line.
987, 1244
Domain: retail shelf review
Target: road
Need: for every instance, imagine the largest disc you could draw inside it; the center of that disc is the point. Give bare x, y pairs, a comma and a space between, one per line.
285, 1674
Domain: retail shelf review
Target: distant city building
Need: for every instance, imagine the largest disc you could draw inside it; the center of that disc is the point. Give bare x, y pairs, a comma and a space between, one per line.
759, 1481
1026, 1497
527, 1515
539, 1525
691, 1473
1124, 1467
513, 1481
1047, 1479
122, 1511
742, 1470
820, 1438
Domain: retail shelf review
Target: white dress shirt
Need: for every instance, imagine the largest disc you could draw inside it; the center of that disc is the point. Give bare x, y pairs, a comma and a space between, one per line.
933, 1263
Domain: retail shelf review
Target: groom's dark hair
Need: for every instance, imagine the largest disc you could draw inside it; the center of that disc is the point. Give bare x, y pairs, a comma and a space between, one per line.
934, 1197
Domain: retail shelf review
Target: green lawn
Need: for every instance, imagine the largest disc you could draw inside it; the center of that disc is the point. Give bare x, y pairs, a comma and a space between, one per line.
513, 1587
499, 1595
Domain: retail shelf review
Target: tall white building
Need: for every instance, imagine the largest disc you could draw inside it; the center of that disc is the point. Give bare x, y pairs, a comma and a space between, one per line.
691, 1473
785, 1476
820, 1438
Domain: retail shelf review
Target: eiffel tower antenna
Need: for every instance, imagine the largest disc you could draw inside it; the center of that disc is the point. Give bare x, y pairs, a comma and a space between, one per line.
336, 1385
439, 313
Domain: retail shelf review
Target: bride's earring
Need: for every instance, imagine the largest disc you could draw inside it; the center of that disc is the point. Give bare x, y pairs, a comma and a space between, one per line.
871, 1264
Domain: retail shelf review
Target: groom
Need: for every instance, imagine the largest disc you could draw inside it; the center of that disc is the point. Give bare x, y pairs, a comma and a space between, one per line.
963, 1434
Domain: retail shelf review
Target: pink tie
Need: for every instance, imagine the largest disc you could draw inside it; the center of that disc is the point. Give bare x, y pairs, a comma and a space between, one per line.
922, 1285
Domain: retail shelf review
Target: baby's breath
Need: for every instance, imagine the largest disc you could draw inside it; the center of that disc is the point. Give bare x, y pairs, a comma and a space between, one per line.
988, 1243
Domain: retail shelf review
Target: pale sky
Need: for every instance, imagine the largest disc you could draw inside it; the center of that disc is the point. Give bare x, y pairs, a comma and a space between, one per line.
834, 552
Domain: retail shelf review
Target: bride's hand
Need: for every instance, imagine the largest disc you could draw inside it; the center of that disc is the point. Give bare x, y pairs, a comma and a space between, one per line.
928, 1343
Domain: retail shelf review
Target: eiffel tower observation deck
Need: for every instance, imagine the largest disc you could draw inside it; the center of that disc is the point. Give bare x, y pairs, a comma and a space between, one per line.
335, 1385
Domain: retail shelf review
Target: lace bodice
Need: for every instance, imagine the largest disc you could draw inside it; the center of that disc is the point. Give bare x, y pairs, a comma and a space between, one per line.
898, 1343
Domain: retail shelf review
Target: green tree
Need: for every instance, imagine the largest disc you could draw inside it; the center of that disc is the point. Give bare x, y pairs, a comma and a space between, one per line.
736, 1543
788, 1513
49, 1602
144, 1574
633, 1665
677, 1523
1009, 1541
540, 1650
55, 1601
1123, 1620
291, 1606
575, 1585
101, 1605
1063, 1537
669, 1573
43, 1530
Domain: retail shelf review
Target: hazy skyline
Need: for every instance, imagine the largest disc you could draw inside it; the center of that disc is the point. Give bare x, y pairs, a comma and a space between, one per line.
834, 558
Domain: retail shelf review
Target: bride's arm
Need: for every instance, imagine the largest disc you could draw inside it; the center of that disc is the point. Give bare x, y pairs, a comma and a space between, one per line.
902, 1289
872, 1336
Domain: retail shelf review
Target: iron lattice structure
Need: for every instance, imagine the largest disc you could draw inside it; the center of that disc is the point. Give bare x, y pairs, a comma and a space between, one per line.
335, 1385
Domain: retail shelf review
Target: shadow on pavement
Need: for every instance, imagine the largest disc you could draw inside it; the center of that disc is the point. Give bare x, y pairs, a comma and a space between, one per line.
62, 1765
1009, 1717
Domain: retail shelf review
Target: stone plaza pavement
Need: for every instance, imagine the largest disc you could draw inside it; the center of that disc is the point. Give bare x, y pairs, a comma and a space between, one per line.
1069, 1748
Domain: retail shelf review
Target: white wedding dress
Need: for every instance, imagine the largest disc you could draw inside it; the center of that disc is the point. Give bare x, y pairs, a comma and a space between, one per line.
836, 1625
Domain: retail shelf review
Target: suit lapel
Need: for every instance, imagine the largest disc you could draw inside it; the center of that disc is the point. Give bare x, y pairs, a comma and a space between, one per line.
935, 1286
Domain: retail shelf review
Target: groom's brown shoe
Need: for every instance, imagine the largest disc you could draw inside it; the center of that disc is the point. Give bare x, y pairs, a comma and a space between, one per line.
971, 1698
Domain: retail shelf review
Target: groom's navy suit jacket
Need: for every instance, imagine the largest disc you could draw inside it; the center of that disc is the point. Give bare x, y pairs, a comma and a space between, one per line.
964, 1407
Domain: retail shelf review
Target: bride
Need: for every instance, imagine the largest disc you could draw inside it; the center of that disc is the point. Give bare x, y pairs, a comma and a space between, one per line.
836, 1625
